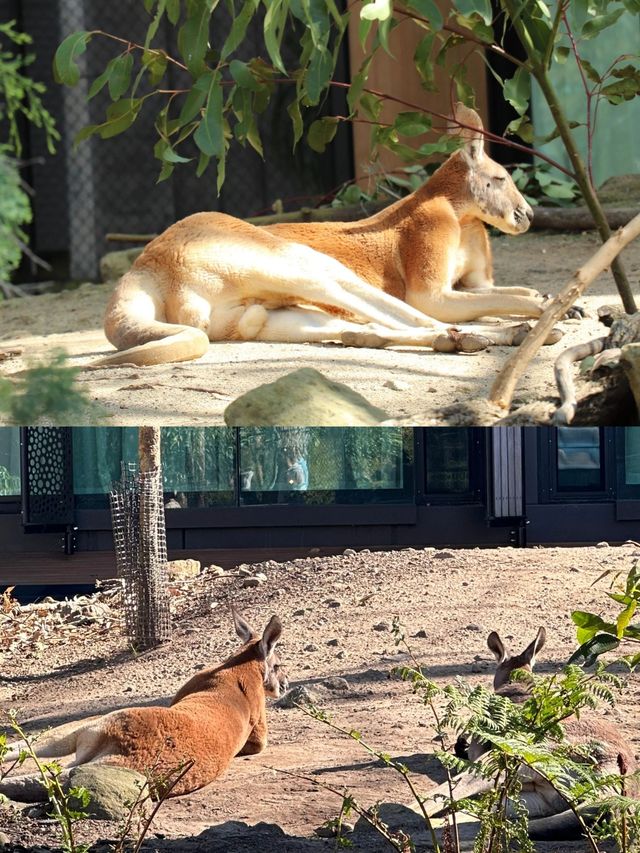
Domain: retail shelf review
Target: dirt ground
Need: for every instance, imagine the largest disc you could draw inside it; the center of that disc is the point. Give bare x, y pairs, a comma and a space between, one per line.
404, 382
337, 614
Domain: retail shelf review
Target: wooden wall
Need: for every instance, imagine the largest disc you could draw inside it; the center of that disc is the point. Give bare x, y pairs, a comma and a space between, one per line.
397, 76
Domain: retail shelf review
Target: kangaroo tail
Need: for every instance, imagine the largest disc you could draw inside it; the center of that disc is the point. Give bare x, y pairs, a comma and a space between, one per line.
563, 826
135, 324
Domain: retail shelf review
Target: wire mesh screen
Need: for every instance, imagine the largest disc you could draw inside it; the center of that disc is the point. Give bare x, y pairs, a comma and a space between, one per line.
137, 514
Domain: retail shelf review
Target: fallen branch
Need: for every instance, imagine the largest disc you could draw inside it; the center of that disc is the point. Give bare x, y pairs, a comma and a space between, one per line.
502, 390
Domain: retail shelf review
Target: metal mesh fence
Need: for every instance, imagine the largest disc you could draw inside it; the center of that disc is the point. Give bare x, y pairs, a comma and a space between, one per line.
137, 514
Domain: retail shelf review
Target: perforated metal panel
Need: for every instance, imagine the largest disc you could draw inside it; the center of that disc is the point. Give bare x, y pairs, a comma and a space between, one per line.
47, 477
506, 491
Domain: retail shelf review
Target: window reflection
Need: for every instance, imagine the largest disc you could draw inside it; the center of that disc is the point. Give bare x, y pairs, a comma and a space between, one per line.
9, 461
579, 459
448, 461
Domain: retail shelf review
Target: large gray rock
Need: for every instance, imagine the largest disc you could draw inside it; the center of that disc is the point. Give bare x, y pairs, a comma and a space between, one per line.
114, 265
303, 398
113, 790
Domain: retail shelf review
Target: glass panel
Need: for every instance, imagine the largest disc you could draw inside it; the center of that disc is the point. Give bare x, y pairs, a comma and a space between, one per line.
327, 464
448, 461
616, 150
9, 461
579, 459
198, 464
632, 456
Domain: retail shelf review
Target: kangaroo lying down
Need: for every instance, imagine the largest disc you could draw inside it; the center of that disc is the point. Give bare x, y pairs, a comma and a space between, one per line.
549, 815
402, 276
218, 714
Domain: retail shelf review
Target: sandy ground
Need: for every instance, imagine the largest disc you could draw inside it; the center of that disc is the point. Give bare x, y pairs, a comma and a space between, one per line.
198, 392
337, 613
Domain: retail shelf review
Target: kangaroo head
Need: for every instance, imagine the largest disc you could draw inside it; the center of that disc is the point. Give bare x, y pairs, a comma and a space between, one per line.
507, 663
273, 673
488, 189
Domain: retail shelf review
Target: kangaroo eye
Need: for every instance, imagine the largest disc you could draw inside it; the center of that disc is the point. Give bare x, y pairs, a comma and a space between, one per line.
501, 179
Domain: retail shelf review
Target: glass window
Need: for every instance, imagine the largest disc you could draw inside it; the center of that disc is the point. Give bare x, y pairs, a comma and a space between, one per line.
9, 461
325, 465
579, 461
448, 461
632, 456
197, 464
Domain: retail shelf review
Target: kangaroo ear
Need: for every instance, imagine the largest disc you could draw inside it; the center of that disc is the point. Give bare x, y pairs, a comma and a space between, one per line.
529, 654
497, 646
243, 629
270, 637
471, 133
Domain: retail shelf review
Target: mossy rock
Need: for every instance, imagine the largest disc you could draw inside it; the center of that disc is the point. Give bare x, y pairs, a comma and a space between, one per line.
621, 191
113, 790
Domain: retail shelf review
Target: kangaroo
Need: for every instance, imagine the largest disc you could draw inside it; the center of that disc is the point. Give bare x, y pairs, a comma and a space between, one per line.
549, 815
219, 713
398, 277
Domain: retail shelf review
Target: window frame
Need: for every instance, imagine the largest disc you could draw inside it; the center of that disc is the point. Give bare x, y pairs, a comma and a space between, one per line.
624, 491
549, 492
477, 492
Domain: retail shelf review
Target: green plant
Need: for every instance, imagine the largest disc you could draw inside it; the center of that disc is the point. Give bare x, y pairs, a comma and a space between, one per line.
224, 94
68, 806
597, 635
46, 392
20, 97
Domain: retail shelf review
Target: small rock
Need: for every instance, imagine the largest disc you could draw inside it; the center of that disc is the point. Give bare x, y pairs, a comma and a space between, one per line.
341, 655
4, 840
112, 789
443, 555
245, 571
382, 626
333, 642
349, 552
311, 647
298, 695
603, 545
299, 612
336, 683
397, 385
333, 602
473, 628
253, 581
215, 570
421, 633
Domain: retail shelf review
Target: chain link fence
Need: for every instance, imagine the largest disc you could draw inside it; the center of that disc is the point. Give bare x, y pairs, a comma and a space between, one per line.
137, 515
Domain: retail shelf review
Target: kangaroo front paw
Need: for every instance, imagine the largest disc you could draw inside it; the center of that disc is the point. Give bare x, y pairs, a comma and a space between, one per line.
520, 333
456, 341
576, 312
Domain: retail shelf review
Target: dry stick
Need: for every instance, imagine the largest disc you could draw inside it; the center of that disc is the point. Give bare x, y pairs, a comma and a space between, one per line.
502, 390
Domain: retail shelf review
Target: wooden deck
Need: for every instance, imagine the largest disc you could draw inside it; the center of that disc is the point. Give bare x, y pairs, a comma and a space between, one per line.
85, 567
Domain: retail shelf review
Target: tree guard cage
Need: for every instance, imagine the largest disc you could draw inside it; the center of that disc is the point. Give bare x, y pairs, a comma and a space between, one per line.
137, 514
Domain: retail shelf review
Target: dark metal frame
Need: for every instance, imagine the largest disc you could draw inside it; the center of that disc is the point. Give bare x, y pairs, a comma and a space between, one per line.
549, 492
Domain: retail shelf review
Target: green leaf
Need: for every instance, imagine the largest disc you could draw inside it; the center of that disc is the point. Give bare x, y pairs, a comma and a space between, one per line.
371, 106
193, 35
590, 651
318, 75
194, 101
626, 86
296, 118
241, 73
239, 27
423, 62
209, 135
155, 61
120, 76
274, 23
632, 6
322, 132
624, 619
99, 83
599, 23
173, 11
428, 9
120, 116
65, 70
479, 7
357, 85
589, 624
561, 54
412, 123
517, 90
364, 28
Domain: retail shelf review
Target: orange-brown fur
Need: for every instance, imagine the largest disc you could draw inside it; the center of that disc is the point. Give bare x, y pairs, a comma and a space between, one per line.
218, 714
397, 277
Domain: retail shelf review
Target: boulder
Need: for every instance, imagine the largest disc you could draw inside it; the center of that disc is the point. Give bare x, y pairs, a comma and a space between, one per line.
183, 568
303, 398
113, 790
113, 265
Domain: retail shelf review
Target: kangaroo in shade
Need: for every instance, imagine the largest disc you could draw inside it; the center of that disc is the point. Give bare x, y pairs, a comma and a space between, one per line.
217, 714
550, 818
404, 276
